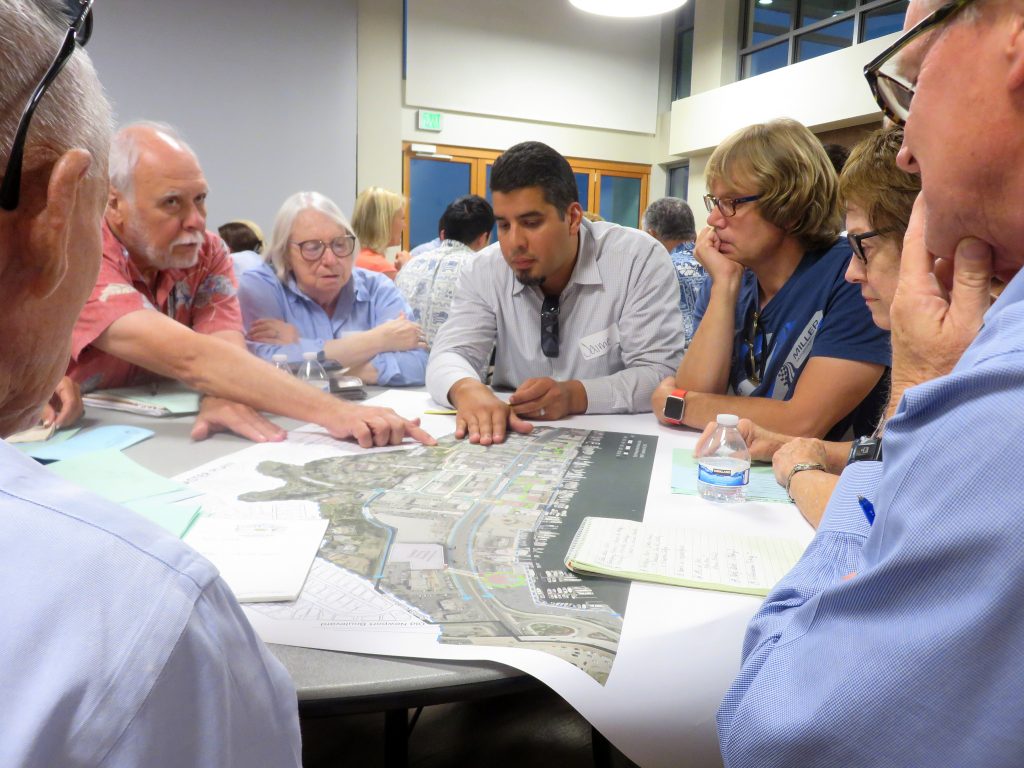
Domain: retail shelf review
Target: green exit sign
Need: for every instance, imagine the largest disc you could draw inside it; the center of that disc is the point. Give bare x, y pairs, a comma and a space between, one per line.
429, 121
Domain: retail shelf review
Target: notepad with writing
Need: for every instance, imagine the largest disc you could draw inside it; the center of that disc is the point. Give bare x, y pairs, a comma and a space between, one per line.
687, 557
167, 400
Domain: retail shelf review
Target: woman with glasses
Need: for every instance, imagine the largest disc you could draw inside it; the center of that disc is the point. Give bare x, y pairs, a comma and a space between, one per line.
878, 197
309, 297
781, 337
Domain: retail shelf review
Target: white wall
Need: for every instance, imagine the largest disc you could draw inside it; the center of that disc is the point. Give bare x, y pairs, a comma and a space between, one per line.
265, 93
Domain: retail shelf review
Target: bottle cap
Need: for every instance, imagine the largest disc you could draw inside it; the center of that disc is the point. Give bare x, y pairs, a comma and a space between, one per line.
309, 355
728, 419
280, 357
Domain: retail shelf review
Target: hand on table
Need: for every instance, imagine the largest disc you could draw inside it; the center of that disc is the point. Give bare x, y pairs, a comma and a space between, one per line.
65, 407
939, 304
799, 450
762, 443
219, 415
371, 426
545, 398
269, 330
481, 416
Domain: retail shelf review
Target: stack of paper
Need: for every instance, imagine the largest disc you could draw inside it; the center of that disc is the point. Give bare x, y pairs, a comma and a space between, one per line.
726, 562
69, 442
114, 476
146, 400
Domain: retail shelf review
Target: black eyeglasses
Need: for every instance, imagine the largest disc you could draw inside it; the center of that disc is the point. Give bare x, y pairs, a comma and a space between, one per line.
313, 250
893, 92
855, 242
727, 205
549, 326
79, 13
757, 349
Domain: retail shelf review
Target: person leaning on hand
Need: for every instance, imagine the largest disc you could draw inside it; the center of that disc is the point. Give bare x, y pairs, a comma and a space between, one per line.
878, 197
309, 297
121, 646
164, 304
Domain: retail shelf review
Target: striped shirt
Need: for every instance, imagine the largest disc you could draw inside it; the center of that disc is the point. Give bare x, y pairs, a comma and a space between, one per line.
620, 332
916, 660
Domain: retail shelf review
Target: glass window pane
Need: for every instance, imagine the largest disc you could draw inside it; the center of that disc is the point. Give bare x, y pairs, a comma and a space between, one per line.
884, 20
683, 64
812, 11
765, 60
834, 37
583, 187
679, 181
766, 20
432, 185
620, 200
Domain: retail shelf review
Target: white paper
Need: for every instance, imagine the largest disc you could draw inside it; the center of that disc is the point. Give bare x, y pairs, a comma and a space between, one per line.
261, 560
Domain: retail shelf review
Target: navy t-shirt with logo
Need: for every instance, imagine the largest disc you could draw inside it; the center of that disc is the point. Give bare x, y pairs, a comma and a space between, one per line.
815, 314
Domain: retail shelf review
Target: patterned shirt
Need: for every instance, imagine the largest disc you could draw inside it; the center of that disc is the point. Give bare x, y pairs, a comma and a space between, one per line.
619, 329
691, 277
201, 297
916, 660
428, 283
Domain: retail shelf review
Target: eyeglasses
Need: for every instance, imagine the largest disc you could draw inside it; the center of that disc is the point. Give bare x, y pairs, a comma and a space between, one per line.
855, 242
313, 250
757, 349
892, 92
79, 14
727, 205
549, 326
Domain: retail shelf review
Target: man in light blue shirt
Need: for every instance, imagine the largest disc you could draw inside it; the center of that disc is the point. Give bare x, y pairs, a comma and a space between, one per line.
121, 646
900, 643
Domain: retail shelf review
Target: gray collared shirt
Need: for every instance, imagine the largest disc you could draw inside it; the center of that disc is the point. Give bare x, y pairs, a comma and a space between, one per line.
619, 325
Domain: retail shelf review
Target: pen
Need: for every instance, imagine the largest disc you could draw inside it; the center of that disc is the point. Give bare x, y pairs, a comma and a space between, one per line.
439, 412
869, 509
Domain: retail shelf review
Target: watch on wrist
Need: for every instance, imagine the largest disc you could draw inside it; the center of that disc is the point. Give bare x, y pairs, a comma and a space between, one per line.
801, 467
865, 449
675, 405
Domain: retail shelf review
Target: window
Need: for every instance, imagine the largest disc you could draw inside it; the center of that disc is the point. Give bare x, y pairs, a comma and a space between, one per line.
679, 181
682, 61
777, 33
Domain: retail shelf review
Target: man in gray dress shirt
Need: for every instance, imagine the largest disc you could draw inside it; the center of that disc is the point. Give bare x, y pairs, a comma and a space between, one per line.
583, 315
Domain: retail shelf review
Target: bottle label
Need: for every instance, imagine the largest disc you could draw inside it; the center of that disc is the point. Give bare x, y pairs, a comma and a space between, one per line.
723, 476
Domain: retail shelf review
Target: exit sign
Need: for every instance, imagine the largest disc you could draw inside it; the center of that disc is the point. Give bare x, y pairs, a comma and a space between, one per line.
428, 121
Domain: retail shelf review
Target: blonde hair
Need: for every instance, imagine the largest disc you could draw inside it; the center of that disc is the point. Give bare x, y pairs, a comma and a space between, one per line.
280, 237
371, 219
788, 167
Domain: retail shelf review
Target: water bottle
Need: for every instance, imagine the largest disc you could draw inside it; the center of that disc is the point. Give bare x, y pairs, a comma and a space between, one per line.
723, 462
313, 373
281, 363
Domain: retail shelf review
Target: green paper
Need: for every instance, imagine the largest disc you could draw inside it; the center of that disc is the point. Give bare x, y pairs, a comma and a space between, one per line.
176, 518
114, 476
762, 485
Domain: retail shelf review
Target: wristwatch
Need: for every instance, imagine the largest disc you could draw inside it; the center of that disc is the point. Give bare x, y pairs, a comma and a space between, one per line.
801, 467
675, 404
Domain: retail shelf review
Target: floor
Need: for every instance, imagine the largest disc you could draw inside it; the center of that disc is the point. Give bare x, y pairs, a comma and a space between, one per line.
533, 729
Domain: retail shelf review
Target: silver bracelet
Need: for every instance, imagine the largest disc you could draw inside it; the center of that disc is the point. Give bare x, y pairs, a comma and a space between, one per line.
802, 467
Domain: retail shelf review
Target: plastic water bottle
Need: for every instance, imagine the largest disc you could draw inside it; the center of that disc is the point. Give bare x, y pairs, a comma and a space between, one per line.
313, 373
281, 362
723, 462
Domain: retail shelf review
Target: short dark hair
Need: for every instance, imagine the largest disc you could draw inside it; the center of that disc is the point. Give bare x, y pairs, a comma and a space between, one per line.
533, 164
240, 237
466, 218
670, 218
837, 155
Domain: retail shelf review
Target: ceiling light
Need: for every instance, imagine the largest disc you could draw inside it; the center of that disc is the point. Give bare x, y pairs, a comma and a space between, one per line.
764, 2
627, 7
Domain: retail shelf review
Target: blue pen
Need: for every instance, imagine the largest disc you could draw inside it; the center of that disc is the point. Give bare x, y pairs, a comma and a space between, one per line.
869, 509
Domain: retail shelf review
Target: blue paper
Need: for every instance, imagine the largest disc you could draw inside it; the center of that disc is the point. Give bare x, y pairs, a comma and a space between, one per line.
111, 437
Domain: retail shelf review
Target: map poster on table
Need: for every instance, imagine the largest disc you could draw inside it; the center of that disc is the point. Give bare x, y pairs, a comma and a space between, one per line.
464, 541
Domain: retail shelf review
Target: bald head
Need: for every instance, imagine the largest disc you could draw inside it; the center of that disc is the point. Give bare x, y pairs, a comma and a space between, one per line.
136, 139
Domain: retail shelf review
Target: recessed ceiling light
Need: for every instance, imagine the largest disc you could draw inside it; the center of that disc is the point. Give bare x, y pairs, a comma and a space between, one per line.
764, 2
627, 7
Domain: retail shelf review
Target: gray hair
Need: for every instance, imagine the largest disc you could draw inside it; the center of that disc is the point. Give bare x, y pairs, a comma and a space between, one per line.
124, 152
670, 218
280, 238
74, 112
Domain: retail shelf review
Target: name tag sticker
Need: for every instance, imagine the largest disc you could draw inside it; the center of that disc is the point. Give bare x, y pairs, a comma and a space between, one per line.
598, 344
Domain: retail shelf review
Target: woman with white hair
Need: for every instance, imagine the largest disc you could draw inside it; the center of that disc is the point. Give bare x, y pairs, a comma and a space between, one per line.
309, 297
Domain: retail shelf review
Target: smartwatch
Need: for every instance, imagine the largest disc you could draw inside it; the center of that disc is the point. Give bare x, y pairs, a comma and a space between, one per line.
674, 406
865, 449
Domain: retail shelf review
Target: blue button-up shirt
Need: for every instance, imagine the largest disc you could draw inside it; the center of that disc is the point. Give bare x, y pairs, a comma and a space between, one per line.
917, 659
366, 300
691, 276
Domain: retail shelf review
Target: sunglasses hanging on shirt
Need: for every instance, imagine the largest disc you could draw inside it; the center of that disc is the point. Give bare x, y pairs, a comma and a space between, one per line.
549, 326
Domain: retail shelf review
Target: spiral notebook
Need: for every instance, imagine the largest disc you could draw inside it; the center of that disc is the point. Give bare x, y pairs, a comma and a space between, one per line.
686, 557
